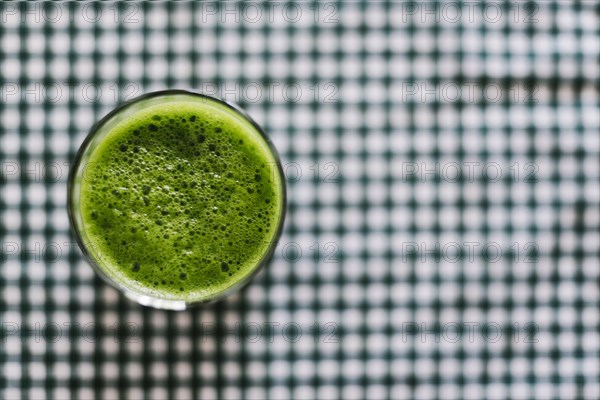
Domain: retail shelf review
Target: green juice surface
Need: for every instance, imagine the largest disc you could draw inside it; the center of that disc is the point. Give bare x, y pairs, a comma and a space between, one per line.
181, 199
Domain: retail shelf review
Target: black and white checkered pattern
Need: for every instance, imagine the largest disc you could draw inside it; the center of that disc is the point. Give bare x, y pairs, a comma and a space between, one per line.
361, 100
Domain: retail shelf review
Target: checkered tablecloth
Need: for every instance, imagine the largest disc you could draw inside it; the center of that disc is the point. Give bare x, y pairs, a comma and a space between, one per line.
442, 236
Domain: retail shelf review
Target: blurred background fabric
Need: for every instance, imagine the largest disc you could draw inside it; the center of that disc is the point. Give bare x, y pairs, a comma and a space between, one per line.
442, 237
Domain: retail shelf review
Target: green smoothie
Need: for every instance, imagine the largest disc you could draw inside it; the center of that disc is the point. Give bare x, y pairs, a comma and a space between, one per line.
181, 199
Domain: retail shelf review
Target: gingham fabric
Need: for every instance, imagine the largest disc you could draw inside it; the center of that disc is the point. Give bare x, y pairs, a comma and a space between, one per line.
442, 235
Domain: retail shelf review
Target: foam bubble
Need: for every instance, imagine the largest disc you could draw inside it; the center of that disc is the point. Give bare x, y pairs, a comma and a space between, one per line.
203, 179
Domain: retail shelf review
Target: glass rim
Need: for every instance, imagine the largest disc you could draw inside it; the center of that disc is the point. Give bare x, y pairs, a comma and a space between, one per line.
129, 291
